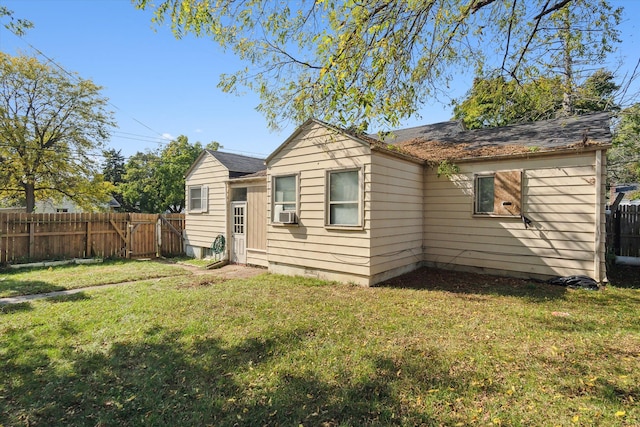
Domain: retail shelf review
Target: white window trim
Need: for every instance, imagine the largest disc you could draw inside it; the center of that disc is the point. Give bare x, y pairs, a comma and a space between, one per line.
204, 199
360, 201
272, 219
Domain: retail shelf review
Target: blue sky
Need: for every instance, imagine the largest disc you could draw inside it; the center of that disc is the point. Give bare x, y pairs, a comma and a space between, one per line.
160, 87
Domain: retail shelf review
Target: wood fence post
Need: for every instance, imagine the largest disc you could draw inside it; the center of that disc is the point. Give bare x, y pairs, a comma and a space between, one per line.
88, 248
32, 236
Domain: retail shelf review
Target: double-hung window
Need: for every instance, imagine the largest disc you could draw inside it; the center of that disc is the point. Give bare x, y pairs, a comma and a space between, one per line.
198, 200
285, 196
344, 197
498, 193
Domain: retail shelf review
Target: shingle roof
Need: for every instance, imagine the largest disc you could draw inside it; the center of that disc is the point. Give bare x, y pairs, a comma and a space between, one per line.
449, 140
238, 162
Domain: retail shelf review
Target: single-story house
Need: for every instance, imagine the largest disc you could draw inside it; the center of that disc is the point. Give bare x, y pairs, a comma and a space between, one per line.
63, 205
524, 200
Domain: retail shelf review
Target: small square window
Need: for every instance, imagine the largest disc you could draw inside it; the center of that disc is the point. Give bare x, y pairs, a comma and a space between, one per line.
198, 198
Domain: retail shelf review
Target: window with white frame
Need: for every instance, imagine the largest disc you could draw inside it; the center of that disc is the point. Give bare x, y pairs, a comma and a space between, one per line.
343, 198
198, 198
285, 195
498, 193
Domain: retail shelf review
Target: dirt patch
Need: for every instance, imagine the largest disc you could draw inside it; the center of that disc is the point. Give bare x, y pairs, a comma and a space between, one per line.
624, 276
474, 283
426, 277
229, 271
204, 280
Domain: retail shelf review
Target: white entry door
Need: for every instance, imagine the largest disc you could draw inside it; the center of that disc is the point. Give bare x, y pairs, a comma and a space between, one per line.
238, 232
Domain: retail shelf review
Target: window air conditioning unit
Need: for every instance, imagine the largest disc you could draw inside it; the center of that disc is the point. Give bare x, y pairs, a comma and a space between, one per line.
287, 217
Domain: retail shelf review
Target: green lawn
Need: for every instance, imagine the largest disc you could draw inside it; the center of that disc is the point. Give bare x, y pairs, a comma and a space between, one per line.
36, 281
277, 350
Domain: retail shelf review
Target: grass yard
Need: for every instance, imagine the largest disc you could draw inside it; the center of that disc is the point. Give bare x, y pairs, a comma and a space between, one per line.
450, 350
37, 281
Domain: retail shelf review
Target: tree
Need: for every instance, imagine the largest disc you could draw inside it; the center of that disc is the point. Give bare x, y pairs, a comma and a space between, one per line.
500, 102
50, 124
356, 63
18, 26
154, 180
113, 170
175, 160
623, 159
139, 188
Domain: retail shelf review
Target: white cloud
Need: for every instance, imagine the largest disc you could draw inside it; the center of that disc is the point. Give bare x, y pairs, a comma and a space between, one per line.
168, 136
198, 131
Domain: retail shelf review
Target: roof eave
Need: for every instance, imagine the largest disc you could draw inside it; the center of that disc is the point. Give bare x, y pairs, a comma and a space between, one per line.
527, 155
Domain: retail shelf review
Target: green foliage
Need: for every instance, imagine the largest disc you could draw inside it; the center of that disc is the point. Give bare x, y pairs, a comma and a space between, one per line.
153, 181
363, 63
18, 26
447, 169
623, 159
50, 125
499, 101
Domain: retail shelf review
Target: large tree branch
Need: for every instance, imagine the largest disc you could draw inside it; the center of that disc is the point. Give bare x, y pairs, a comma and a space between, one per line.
552, 9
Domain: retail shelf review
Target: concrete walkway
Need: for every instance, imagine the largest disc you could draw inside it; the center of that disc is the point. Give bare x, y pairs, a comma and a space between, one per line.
230, 271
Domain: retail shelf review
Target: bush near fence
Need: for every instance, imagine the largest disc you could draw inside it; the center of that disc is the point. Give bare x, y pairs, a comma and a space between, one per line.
41, 237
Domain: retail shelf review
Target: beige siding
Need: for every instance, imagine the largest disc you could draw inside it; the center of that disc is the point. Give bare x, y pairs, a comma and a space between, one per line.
257, 217
202, 228
257, 224
559, 196
310, 248
396, 217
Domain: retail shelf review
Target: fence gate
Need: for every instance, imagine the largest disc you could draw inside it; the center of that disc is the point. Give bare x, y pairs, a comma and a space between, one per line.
143, 236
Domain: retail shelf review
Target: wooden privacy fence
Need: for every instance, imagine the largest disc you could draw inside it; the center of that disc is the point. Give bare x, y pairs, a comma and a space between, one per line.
39, 237
623, 230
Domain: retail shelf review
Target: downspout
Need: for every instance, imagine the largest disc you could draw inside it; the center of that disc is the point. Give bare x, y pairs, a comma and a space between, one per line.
598, 272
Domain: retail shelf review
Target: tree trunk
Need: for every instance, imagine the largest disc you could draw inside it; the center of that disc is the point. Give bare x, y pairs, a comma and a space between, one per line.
30, 196
568, 87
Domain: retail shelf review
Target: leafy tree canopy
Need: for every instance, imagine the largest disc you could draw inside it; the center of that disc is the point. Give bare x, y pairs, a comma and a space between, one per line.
376, 62
500, 101
50, 124
623, 160
153, 181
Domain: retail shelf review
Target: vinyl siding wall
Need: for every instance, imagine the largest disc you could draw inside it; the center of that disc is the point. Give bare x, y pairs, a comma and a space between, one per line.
559, 194
397, 216
202, 228
309, 248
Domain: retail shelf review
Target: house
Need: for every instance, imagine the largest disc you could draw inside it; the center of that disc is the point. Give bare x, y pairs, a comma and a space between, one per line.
63, 205
524, 200
219, 189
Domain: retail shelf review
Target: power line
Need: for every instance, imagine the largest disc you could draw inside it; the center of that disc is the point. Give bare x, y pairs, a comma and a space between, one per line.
76, 78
